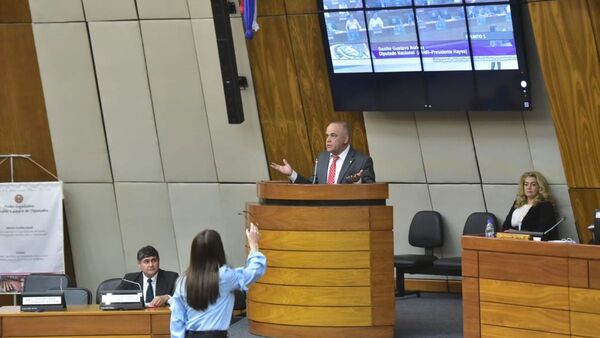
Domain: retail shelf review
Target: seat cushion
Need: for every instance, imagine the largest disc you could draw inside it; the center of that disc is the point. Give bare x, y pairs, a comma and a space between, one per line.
413, 261
448, 265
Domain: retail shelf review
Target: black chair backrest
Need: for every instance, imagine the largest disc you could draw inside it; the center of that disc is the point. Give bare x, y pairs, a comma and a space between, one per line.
476, 222
44, 282
109, 284
426, 230
240, 300
77, 296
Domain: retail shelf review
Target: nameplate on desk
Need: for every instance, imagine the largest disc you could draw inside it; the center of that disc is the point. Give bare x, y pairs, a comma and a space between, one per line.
42, 301
513, 235
121, 300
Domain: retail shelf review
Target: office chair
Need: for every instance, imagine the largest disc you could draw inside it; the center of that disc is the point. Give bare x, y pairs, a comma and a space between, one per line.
76, 296
40, 282
475, 224
239, 306
109, 284
426, 231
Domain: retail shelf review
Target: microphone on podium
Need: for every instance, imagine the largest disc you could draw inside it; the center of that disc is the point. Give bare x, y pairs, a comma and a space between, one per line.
555, 225
315, 171
132, 282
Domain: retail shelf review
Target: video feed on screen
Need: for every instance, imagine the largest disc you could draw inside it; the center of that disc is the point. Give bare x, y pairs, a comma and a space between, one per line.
348, 43
492, 37
443, 35
393, 39
436, 2
342, 4
484, 1
387, 3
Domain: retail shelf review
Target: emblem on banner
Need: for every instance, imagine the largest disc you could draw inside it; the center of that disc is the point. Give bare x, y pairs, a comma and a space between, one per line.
19, 198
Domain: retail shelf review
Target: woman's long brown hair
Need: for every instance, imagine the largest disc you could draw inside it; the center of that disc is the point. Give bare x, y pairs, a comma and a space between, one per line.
202, 276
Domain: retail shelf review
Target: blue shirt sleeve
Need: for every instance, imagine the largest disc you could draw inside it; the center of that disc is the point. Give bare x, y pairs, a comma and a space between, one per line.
178, 311
256, 266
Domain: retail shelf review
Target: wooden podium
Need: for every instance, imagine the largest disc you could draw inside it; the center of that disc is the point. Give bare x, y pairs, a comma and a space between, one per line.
330, 261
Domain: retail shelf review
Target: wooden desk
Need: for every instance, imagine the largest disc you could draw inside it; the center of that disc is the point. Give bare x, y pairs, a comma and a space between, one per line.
84, 320
515, 288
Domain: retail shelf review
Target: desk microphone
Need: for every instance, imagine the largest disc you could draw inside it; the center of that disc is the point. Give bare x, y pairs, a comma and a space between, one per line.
555, 225
132, 282
315, 171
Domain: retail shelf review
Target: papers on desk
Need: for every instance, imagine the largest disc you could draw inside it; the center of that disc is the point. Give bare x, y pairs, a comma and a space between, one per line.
564, 240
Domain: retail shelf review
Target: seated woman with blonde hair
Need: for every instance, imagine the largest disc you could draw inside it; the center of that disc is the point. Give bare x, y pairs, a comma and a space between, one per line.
533, 210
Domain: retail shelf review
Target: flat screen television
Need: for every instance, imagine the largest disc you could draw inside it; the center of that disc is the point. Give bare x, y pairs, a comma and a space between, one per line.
409, 55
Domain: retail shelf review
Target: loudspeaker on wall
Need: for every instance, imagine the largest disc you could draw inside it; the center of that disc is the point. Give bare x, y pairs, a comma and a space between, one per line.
231, 86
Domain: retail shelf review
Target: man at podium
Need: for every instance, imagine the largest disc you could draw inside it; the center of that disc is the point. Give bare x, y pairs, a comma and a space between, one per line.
338, 165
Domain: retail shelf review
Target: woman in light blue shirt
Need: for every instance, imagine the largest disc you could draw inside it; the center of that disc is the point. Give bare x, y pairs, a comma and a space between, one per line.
203, 301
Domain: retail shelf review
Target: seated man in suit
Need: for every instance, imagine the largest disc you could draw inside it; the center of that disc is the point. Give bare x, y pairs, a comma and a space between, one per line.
158, 285
339, 164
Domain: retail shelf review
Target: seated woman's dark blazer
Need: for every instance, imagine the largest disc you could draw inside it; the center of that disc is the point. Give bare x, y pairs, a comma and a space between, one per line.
539, 218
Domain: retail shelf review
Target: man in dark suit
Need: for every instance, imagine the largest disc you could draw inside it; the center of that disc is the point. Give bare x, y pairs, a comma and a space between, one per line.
157, 285
339, 164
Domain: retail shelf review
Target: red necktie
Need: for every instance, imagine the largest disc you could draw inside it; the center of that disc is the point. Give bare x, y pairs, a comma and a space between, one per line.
331, 174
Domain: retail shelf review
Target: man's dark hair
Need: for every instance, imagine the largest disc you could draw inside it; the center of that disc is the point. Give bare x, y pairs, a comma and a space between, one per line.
147, 251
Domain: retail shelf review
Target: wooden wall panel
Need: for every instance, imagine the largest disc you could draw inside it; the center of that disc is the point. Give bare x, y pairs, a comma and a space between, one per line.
584, 202
278, 96
23, 121
270, 7
14, 11
300, 6
311, 69
292, 85
570, 62
594, 10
